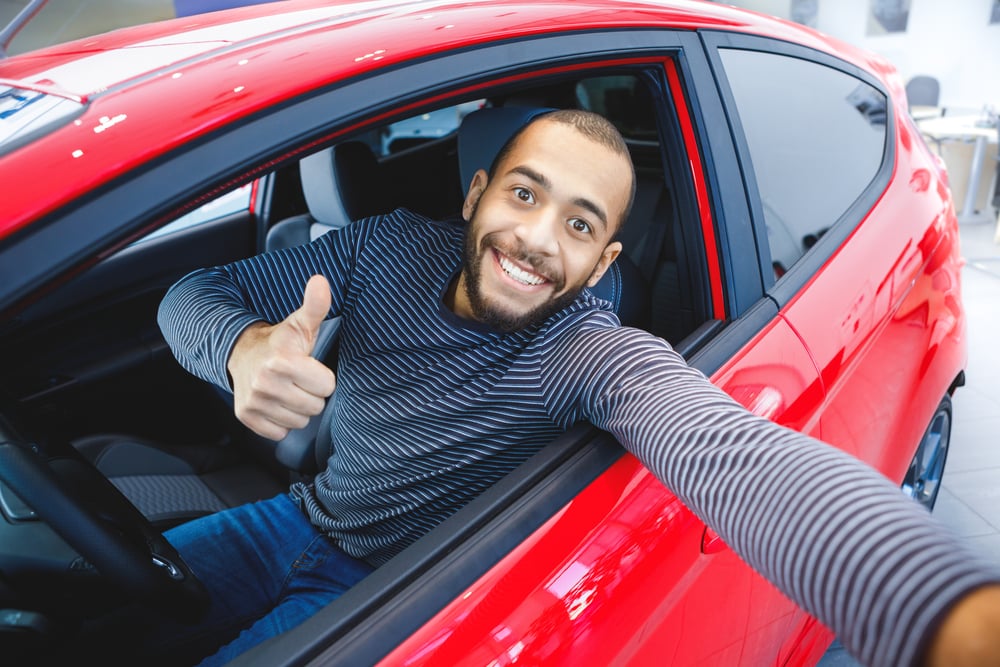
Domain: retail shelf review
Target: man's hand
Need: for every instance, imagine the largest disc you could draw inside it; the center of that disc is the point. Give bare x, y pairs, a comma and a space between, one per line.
969, 636
277, 385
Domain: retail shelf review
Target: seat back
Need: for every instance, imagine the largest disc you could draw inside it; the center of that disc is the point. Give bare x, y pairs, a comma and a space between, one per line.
481, 136
340, 185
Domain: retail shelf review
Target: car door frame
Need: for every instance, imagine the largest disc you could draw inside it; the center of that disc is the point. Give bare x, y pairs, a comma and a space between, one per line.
401, 596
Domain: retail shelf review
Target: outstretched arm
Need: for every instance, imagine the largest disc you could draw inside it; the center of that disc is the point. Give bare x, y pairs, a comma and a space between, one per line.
829, 531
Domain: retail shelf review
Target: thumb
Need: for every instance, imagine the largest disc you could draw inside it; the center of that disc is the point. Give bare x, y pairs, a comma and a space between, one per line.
315, 307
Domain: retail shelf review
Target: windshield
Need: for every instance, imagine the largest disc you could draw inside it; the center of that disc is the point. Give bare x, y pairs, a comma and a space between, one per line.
27, 114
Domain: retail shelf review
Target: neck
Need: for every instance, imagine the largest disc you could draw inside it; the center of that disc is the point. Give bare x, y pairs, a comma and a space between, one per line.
456, 298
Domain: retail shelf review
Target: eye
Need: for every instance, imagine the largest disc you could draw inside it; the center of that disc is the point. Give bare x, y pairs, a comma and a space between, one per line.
579, 226
524, 194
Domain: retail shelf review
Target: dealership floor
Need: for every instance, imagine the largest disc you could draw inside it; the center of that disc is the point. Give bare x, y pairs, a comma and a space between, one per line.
969, 500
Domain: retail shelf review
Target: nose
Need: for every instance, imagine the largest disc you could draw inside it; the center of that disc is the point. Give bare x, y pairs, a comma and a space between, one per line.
538, 233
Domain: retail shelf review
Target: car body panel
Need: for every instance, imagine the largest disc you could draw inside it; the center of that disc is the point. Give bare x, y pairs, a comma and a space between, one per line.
904, 304
223, 79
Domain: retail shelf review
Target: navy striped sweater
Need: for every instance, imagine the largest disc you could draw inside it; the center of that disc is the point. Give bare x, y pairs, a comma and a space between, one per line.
433, 409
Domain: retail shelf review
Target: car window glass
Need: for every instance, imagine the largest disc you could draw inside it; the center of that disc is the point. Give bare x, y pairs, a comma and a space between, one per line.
421, 128
624, 100
816, 137
233, 201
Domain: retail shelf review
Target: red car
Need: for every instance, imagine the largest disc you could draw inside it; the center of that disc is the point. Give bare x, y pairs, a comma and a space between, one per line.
792, 234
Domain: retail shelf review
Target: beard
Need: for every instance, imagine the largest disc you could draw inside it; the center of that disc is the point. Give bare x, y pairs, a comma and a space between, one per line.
493, 314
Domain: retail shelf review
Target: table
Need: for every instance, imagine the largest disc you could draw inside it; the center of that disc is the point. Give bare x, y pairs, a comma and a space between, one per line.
964, 128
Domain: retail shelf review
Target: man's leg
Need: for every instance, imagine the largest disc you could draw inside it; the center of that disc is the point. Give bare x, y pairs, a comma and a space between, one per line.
266, 569
318, 575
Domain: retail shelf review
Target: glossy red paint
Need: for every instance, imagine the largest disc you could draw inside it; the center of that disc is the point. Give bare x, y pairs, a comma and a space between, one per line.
222, 68
902, 304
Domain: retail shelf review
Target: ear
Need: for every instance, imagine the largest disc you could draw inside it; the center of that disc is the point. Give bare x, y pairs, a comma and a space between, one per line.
476, 189
607, 257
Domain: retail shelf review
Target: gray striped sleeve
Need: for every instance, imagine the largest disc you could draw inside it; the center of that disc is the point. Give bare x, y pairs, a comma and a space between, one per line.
832, 533
204, 313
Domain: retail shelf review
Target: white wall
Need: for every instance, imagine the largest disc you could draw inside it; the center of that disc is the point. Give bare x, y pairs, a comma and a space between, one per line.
951, 40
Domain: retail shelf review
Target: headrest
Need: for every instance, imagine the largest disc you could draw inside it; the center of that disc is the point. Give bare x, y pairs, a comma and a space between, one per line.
339, 183
622, 285
484, 132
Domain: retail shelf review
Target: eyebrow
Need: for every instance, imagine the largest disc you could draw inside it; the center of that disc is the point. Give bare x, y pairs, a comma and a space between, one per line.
546, 184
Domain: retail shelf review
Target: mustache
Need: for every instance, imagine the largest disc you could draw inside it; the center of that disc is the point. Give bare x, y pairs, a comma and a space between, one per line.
516, 251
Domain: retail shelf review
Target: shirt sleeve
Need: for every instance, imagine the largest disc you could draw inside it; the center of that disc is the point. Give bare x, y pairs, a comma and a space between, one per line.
203, 314
831, 532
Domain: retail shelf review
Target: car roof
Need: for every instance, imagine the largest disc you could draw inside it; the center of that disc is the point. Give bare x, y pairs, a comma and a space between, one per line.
136, 93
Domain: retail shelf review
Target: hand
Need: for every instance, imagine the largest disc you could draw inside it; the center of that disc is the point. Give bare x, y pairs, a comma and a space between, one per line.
969, 636
277, 384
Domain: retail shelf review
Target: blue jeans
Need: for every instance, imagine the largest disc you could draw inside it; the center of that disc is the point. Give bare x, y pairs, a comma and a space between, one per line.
266, 568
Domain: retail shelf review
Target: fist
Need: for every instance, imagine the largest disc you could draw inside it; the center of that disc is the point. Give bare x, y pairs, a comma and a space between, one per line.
277, 384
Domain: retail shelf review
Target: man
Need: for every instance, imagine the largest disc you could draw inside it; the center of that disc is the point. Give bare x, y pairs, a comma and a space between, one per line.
466, 349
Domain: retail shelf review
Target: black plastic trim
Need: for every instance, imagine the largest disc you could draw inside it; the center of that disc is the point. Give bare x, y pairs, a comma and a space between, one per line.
742, 281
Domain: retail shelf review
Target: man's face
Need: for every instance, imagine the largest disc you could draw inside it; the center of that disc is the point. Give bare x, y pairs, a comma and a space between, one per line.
541, 230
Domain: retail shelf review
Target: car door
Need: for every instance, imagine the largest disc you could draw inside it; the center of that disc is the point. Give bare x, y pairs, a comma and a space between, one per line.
89, 358
580, 551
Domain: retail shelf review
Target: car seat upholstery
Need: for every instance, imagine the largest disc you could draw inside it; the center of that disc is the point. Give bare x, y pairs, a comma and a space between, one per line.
173, 483
340, 185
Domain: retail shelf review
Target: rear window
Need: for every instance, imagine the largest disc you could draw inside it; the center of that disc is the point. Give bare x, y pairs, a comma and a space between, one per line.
28, 114
817, 138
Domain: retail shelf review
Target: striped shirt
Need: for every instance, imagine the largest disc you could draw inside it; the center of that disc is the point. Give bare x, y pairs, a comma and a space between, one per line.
432, 409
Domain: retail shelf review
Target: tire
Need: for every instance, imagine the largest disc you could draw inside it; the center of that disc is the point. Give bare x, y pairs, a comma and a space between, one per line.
923, 478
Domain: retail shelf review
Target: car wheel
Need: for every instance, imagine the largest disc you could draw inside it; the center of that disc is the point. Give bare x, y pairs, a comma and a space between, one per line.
923, 478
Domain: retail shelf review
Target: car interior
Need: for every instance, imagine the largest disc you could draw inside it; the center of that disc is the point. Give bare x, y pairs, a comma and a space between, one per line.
87, 365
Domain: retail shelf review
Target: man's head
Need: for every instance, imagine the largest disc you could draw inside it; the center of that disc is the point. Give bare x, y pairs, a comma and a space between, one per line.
544, 219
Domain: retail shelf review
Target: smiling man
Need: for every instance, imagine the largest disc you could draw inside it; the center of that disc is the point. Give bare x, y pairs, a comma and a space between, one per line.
464, 349
547, 225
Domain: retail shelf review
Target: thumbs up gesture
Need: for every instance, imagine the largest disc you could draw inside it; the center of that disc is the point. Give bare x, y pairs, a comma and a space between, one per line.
277, 384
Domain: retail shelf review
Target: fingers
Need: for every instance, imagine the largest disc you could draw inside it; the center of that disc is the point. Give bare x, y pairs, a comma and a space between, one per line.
283, 394
316, 300
275, 421
277, 385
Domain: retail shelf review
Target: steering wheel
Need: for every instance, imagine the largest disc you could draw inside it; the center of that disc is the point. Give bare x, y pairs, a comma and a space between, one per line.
95, 519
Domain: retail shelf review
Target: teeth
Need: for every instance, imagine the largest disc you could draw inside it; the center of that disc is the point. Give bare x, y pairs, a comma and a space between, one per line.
519, 274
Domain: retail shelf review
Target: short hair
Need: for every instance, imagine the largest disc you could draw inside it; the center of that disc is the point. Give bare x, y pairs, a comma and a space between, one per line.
593, 126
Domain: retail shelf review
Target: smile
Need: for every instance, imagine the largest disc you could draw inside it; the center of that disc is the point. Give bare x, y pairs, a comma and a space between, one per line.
517, 273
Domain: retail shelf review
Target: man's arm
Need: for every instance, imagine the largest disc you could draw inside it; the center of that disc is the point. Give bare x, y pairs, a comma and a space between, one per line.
218, 325
829, 531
